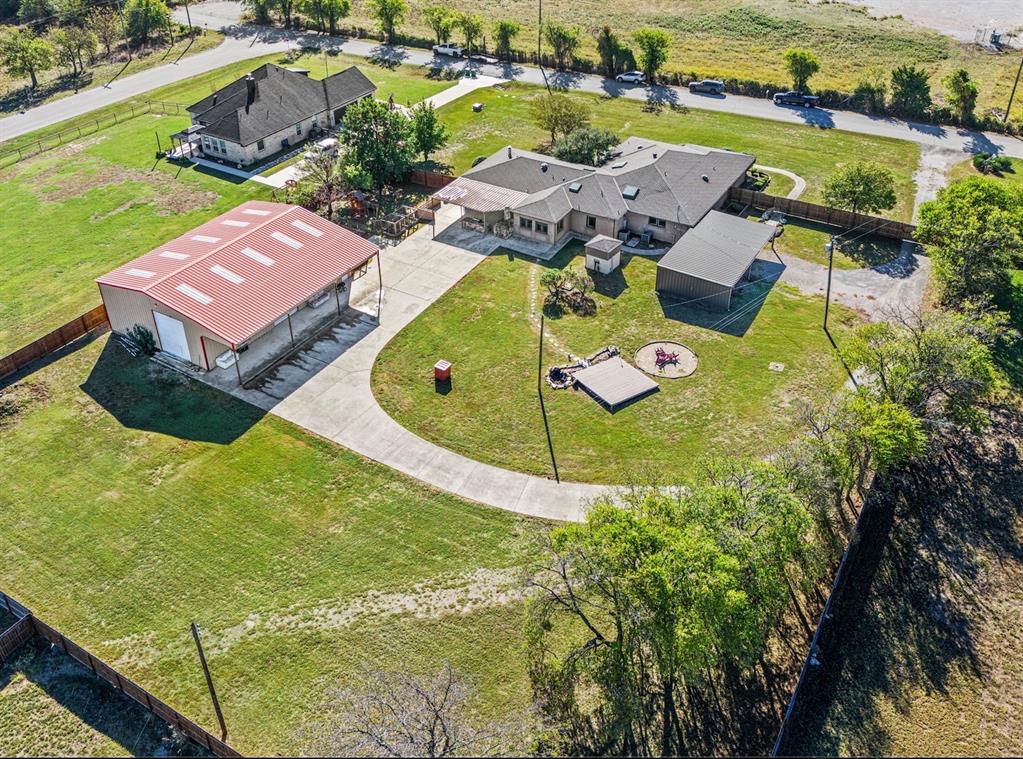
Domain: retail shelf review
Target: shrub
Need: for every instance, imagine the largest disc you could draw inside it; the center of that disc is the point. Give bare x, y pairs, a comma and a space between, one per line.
143, 340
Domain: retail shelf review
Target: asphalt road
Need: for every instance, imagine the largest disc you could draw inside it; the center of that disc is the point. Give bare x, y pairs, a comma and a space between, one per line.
245, 41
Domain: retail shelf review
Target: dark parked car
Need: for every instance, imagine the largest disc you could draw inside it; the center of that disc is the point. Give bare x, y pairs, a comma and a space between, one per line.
796, 98
710, 86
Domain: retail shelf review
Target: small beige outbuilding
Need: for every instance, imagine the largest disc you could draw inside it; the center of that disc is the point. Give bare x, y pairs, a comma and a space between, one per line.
603, 254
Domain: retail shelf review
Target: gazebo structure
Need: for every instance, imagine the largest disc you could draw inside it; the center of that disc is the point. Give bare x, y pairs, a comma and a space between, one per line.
185, 142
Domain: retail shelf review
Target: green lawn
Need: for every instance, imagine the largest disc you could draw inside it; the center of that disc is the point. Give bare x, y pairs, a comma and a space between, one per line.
811, 153
50, 705
806, 240
57, 82
134, 501
732, 404
965, 169
74, 213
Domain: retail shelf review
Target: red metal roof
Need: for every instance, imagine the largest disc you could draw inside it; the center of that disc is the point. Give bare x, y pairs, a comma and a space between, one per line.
239, 272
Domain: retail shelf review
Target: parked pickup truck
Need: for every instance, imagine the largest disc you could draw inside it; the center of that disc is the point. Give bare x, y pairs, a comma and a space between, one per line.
796, 98
453, 50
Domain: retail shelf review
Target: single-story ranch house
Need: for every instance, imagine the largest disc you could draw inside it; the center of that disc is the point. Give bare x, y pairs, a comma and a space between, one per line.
272, 109
649, 189
250, 281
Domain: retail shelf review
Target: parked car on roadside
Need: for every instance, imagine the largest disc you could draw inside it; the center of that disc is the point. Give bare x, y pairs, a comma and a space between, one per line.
792, 97
447, 49
631, 77
709, 86
482, 58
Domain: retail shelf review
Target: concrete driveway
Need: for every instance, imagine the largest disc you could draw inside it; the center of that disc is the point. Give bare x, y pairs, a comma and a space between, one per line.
326, 388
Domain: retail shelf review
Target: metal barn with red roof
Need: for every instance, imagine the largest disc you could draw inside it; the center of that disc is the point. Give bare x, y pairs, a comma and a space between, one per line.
260, 270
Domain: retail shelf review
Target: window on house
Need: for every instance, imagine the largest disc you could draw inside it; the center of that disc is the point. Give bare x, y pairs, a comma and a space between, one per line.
222, 146
591, 222
525, 223
655, 222
541, 227
298, 128
561, 224
260, 145
206, 143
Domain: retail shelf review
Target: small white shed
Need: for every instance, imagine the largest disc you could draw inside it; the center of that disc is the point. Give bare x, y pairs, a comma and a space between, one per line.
603, 254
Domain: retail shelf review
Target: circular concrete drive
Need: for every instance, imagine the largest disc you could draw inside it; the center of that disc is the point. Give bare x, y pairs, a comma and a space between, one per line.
679, 362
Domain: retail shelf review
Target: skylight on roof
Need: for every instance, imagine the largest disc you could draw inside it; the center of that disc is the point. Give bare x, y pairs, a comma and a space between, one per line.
255, 212
258, 257
630, 192
575, 186
205, 238
291, 242
235, 223
307, 228
197, 295
227, 274
174, 256
144, 273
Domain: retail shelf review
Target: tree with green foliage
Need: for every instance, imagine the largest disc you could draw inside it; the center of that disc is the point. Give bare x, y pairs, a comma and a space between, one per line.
73, 45
653, 45
564, 41
640, 603
442, 20
72, 12
388, 14
326, 14
145, 18
287, 10
961, 94
471, 25
589, 145
260, 10
615, 57
378, 141
428, 133
559, 114
504, 32
861, 187
143, 339
36, 10
105, 24
972, 230
869, 95
801, 65
937, 365
911, 91
23, 53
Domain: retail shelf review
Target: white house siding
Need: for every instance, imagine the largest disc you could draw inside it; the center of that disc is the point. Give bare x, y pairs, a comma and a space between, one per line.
247, 154
640, 223
126, 308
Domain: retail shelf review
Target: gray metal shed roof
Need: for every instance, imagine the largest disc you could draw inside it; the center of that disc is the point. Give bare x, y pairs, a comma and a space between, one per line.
602, 246
719, 249
615, 382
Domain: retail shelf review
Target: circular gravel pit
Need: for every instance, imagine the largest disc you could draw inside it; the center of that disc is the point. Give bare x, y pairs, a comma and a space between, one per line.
681, 366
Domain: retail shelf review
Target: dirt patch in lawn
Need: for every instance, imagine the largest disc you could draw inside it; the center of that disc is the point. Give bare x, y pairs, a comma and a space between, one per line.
16, 400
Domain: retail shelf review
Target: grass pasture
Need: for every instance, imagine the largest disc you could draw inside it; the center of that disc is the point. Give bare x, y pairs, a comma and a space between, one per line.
74, 213
484, 326
811, 153
134, 501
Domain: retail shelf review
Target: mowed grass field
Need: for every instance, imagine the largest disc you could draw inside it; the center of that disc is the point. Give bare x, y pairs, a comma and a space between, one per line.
74, 213
134, 501
745, 39
809, 152
50, 705
486, 326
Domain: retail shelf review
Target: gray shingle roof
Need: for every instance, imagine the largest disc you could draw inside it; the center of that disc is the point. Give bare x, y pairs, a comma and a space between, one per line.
719, 249
282, 98
603, 247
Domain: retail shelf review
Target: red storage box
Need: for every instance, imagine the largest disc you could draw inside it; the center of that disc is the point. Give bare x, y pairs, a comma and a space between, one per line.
442, 371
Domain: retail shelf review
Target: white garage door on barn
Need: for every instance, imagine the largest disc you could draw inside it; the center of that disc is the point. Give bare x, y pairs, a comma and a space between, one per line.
171, 333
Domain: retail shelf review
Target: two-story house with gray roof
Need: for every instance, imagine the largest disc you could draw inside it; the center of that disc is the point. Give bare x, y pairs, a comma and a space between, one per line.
273, 109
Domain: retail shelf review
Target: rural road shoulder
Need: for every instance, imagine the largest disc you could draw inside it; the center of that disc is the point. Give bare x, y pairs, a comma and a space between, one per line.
245, 41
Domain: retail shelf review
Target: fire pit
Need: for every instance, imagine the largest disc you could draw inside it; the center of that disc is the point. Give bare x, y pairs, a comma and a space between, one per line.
667, 359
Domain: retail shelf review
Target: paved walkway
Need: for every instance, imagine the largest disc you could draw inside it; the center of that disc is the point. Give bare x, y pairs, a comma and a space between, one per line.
800, 183
326, 388
245, 41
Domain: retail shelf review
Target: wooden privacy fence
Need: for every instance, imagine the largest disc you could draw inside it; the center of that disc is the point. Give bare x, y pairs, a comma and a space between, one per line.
431, 179
862, 223
47, 344
14, 636
128, 687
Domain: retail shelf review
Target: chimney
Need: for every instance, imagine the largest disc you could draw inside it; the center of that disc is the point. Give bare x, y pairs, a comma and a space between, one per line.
509, 151
250, 87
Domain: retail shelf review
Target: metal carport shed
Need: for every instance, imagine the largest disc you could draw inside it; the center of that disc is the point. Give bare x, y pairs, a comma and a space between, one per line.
256, 280
707, 263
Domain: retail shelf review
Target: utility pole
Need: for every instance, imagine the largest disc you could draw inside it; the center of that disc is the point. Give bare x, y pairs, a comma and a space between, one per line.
188, 17
1012, 95
543, 408
830, 248
539, 39
209, 683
